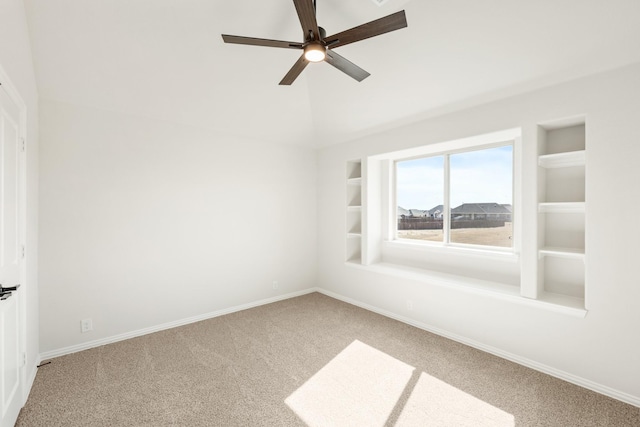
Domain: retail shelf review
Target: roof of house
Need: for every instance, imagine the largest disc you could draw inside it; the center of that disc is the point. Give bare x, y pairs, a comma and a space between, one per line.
481, 208
435, 209
465, 208
414, 212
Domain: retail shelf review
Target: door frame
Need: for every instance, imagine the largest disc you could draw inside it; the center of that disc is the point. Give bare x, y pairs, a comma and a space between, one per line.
17, 99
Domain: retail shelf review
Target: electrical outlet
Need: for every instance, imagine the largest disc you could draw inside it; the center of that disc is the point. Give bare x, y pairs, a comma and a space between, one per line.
86, 325
276, 285
409, 305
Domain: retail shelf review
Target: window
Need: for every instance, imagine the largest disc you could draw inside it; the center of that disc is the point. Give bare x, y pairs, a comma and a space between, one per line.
420, 197
450, 209
457, 197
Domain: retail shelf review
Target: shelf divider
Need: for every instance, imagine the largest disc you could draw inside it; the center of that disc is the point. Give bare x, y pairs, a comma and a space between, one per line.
561, 207
562, 160
570, 253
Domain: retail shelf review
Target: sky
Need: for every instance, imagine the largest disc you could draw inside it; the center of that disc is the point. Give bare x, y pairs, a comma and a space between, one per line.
476, 176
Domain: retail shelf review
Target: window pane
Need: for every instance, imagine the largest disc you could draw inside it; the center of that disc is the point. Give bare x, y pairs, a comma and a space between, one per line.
420, 195
481, 196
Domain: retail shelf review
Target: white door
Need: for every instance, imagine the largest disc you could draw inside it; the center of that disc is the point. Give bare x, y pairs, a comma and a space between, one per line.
10, 254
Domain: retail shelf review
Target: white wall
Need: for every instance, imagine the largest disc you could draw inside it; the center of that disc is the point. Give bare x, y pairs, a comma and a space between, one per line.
16, 61
144, 222
601, 351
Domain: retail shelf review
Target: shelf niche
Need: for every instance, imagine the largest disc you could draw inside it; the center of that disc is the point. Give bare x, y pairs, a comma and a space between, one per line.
354, 222
565, 184
563, 137
354, 195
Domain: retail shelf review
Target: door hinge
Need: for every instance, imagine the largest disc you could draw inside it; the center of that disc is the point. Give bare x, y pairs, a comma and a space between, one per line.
23, 251
24, 359
23, 144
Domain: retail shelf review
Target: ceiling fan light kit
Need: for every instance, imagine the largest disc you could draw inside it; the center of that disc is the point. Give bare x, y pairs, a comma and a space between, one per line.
315, 52
317, 47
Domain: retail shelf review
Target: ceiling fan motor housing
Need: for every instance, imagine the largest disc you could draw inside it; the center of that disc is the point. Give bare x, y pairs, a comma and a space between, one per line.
323, 33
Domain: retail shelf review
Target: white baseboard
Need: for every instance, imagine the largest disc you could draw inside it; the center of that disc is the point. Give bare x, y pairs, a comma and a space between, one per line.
127, 335
31, 377
582, 382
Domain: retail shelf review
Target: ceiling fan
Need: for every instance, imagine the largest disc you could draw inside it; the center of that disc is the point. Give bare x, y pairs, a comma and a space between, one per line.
318, 47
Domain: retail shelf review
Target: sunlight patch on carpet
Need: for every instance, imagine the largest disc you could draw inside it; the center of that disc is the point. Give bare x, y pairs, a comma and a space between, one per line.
436, 403
359, 387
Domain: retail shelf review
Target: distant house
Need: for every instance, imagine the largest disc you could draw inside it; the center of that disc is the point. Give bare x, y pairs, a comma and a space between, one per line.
436, 212
412, 213
479, 211
468, 211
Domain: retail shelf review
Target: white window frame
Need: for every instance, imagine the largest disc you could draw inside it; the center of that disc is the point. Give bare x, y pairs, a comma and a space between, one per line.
446, 215
491, 140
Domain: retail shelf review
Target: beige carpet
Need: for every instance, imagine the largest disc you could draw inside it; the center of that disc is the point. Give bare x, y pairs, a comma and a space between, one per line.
308, 361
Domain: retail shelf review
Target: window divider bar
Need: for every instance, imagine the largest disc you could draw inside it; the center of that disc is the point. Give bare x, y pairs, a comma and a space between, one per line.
392, 181
446, 220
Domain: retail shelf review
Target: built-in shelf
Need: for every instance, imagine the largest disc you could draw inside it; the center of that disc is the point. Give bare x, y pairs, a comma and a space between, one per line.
571, 253
561, 207
354, 212
562, 160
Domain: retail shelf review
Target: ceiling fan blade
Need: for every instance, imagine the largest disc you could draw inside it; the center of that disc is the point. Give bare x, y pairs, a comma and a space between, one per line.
307, 15
346, 66
295, 71
260, 42
380, 26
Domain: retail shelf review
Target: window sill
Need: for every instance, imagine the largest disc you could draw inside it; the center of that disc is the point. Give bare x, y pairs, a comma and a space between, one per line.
552, 302
506, 255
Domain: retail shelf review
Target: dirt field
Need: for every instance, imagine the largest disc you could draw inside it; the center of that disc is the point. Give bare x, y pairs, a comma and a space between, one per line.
499, 236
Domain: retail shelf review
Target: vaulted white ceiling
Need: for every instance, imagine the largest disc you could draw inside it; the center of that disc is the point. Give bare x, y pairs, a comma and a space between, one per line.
165, 59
